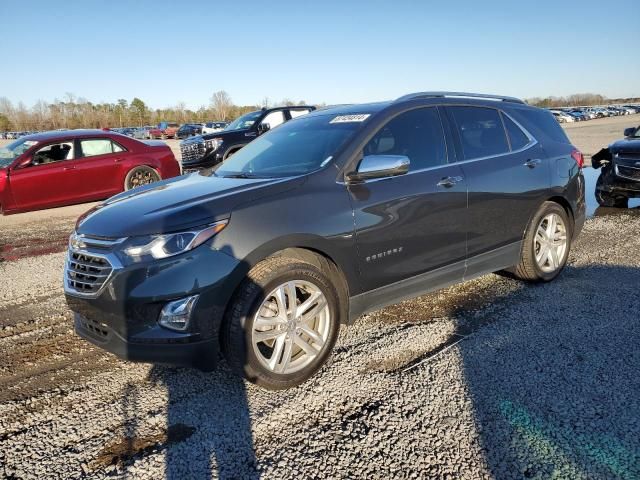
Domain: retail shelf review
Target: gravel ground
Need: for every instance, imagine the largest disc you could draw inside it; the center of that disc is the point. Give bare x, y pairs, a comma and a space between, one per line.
489, 379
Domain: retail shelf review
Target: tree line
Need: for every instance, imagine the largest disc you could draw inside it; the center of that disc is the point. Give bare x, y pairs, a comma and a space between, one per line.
78, 112
578, 100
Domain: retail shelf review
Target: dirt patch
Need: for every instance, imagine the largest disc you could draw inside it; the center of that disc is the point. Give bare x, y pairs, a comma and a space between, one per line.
123, 449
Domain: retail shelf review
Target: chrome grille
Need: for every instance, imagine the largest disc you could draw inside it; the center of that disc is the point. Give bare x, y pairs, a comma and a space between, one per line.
629, 155
87, 273
628, 172
192, 151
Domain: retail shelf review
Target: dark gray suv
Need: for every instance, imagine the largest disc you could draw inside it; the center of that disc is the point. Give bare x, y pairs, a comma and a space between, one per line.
331, 215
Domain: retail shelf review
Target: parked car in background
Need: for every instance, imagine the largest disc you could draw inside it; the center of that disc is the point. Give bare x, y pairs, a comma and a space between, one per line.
142, 133
188, 130
563, 117
324, 218
209, 150
164, 130
619, 178
52, 169
128, 131
213, 127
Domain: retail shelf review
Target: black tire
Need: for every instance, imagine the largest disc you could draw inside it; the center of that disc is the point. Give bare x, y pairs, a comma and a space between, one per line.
148, 174
606, 199
528, 268
236, 333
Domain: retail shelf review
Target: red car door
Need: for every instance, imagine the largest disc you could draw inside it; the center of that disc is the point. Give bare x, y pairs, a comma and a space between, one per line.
97, 173
46, 181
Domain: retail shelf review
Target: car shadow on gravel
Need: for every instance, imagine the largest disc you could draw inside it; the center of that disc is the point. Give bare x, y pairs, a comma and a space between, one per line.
208, 415
553, 377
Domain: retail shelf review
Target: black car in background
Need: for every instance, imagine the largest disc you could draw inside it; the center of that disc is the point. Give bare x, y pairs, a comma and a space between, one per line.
619, 178
189, 130
336, 213
209, 150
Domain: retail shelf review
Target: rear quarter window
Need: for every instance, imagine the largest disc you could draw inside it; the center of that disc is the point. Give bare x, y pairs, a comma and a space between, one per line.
540, 123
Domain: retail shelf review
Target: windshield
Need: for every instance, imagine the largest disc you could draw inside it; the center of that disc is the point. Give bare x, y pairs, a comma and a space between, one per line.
245, 121
636, 134
299, 146
10, 152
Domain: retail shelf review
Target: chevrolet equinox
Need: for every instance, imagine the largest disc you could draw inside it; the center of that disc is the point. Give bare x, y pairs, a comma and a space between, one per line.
316, 222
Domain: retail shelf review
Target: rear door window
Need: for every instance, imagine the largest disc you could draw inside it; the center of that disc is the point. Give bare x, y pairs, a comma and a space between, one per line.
298, 113
274, 119
99, 146
481, 131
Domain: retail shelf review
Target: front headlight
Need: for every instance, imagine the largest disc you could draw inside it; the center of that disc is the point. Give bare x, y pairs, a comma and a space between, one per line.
213, 144
157, 247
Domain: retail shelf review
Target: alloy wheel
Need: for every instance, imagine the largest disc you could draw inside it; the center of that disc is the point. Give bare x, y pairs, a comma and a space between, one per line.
291, 327
550, 243
142, 177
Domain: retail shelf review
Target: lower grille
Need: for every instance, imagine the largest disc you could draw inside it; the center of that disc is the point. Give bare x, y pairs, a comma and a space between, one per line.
629, 172
87, 273
99, 330
192, 151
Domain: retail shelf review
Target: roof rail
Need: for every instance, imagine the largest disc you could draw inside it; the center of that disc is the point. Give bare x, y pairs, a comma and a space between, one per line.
501, 98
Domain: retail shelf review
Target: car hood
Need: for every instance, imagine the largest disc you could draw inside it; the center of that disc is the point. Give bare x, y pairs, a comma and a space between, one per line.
176, 204
224, 133
628, 144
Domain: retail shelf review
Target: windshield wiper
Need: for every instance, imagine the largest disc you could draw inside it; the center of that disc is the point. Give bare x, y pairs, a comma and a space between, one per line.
237, 175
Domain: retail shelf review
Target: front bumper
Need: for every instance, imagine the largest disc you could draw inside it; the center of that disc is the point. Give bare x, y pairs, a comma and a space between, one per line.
624, 181
122, 317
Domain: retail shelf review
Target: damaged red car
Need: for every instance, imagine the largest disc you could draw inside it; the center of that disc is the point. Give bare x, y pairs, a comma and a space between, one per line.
52, 169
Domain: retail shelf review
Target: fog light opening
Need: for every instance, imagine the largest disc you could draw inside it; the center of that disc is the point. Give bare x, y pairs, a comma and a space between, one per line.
176, 315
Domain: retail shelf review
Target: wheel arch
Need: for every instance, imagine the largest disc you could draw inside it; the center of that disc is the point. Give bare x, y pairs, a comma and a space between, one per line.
307, 251
566, 205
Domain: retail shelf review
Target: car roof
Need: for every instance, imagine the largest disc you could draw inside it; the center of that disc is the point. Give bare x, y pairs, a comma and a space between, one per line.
53, 134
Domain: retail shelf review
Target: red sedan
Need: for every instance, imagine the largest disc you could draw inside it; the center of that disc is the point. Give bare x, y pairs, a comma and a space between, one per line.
58, 168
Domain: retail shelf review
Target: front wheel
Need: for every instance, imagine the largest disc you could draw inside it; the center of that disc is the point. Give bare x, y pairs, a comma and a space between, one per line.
138, 176
546, 245
283, 323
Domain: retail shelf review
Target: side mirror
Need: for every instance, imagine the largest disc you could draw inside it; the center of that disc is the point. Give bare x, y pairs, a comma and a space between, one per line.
379, 166
25, 162
263, 128
629, 132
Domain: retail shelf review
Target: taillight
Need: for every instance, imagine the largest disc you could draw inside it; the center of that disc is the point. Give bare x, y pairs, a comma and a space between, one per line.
578, 157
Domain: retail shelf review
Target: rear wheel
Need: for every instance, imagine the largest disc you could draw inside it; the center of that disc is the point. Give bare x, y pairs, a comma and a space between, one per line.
546, 245
283, 323
138, 176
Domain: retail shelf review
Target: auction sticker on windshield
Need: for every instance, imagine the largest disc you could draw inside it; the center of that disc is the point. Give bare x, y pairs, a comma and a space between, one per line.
361, 117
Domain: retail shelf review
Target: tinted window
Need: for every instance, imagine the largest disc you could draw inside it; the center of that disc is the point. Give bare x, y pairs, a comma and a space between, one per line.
417, 134
517, 137
481, 131
538, 120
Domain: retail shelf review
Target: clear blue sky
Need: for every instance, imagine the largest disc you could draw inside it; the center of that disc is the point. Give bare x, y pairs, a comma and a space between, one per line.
319, 51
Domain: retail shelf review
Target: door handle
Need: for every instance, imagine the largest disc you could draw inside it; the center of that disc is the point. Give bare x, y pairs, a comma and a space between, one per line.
449, 182
533, 163
118, 160
69, 168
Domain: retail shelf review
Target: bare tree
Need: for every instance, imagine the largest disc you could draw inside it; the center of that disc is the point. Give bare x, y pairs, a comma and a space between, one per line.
221, 104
